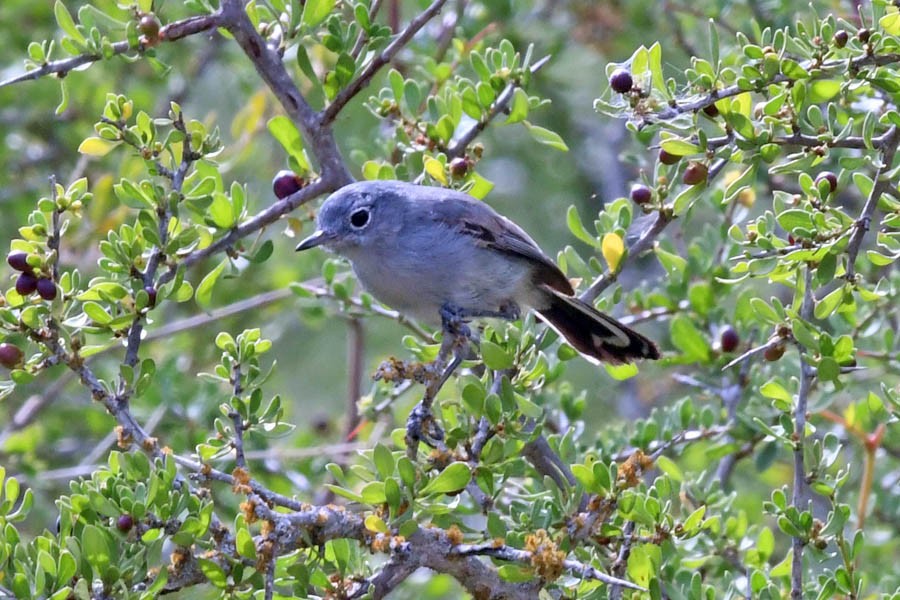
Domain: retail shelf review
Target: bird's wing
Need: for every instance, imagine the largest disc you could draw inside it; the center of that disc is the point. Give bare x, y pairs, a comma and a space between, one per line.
494, 231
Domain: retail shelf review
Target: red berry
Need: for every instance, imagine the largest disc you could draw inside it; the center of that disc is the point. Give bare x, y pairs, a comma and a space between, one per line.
124, 523
773, 353
46, 289
149, 25
26, 284
729, 339
620, 81
10, 355
151, 292
641, 194
841, 38
286, 183
695, 173
827, 176
666, 158
19, 261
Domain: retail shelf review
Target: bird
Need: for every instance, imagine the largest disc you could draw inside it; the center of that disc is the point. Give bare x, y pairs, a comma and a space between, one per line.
441, 256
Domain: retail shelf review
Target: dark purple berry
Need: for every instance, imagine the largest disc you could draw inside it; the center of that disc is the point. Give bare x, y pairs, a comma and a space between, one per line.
695, 173
459, 167
863, 35
26, 284
620, 81
124, 523
729, 339
841, 38
668, 159
286, 183
10, 355
827, 176
641, 194
19, 261
711, 111
151, 293
46, 289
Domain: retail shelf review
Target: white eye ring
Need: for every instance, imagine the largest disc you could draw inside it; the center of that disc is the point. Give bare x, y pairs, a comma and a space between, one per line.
359, 218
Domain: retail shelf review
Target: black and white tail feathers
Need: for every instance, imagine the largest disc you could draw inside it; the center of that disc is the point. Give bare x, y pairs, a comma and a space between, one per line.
595, 335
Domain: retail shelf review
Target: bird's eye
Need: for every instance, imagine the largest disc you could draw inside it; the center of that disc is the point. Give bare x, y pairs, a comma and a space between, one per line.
359, 218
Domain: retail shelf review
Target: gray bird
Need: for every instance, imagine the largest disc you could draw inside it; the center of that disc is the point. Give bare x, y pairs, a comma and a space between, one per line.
441, 256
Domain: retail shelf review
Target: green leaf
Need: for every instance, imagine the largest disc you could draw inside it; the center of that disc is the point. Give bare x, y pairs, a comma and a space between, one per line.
621, 372
495, 357
669, 467
689, 339
890, 23
545, 136
679, 147
213, 572
672, 263
203, 294
315, 11
66, 23
823, 90
286, 133
452, 479
576, 226
96, 548
829, 303
243, 543
518, 108
96, 313
764, 310
773, 389
384, 460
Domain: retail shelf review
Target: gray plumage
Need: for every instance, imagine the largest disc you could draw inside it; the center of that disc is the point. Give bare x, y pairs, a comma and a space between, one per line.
422, 250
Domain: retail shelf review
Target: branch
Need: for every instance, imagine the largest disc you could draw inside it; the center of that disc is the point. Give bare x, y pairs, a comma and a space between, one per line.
663, 218
170, 33
504, 552
883, 184
269, 66
458, 147
354, 87
253, 224
622, 558
798, 495
824, 70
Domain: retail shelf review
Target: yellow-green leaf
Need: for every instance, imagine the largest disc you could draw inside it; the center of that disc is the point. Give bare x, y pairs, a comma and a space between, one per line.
204, 290
95, 146
435, 168
613, 249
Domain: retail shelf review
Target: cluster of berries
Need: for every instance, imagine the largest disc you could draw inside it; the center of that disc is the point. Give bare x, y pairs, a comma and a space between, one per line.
27, 282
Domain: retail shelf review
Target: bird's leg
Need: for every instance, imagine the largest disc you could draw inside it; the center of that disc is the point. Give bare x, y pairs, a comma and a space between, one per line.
421, 425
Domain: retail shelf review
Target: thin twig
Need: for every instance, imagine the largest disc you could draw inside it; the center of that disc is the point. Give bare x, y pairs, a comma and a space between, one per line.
799, 494
363, 79
356, 340
882, 184
825, 70
170, 33
644, 242
504, 552
461, 143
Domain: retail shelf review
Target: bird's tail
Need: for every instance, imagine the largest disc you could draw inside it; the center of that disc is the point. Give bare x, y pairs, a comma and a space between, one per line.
598, 337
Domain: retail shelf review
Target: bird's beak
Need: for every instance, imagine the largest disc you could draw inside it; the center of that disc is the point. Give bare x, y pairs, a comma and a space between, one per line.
316, 239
